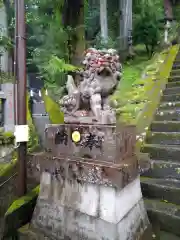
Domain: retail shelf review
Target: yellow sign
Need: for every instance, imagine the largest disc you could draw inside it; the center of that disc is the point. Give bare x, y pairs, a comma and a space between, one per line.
76, 136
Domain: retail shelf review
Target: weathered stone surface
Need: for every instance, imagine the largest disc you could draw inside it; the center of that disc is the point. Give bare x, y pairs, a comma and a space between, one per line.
172, 90
163, 169
91, 199
26, 233
94, 213
162, 152
92, 172
88, 92
173, 84
170, 98
169, 105
161, 184
8, 89
175, 72
168, 236
8, 193
167, 138
108, 144
174, 78
164, 189
165, 126
167, 215
176, 66
80, 226
167, 115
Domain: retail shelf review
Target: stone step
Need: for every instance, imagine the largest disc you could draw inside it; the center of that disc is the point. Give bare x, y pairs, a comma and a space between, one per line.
176, 63
24, 233
173, 84
172, 90
177, 59
169, 105
176, 66
163, 169
165, 126
162, 152
168, 236
167, 190
174, 78
38, 108
168, 115
175, 72
167, 138
166, 215
40, 123
170, 98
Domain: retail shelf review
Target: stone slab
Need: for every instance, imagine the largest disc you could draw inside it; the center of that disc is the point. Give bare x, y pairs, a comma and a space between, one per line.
89, 211
73, 225
91, 199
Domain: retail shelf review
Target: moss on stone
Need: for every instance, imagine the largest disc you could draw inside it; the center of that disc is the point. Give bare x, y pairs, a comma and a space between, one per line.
52, 108
20, 213
6, 169
33, 142
23, 200
24, 228
6, 137
139, 104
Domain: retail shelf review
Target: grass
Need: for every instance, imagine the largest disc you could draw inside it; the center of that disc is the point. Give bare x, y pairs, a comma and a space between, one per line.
132, 70
53, 109
132, 86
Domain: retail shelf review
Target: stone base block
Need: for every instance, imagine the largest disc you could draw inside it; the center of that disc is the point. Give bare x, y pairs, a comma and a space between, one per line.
138, 230
108, 214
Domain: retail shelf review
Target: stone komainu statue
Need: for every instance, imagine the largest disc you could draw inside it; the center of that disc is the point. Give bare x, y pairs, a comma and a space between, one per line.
87, 99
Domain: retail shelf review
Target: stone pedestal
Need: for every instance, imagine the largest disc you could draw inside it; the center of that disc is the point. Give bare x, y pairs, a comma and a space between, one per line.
90, 188
90, 211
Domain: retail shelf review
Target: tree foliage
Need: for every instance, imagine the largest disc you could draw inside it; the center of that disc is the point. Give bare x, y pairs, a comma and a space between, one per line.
57, 30
147, 16
49, 39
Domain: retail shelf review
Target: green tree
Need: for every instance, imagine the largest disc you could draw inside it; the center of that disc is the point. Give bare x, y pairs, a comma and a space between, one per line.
146, 23
55, 37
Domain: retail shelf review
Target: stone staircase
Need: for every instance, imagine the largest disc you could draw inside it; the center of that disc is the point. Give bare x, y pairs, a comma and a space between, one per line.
161, 184
40, 119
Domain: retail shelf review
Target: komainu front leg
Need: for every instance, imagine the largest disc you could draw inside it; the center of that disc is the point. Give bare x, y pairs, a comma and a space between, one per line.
96, 106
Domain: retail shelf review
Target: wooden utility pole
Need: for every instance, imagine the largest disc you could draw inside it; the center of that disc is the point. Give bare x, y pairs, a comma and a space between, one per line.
21, 94
103, 20
15, 61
